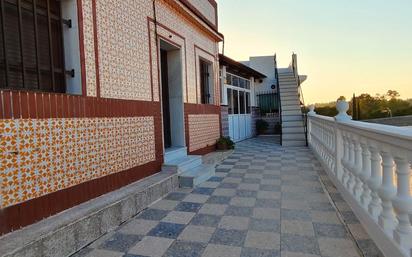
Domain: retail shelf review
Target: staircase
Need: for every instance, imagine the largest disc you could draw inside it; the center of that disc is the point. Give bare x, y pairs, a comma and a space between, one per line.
293, 131
190, 169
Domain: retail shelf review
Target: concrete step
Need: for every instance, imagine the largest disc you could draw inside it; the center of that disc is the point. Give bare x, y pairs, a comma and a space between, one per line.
289, 92
286, 86
196, 176
182, 165
290, 102
293, 136
290, 107
291, 112
292, 118
286, 124
287, 98
175, 153
293, 143
288, 130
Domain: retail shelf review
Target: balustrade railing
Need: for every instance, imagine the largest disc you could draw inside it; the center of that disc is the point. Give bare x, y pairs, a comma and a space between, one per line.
370, 164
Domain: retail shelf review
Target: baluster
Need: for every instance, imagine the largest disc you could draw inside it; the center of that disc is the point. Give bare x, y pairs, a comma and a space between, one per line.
403, 204
387, 192
357, 189
345, 159
351, 165
365, 175
374, 182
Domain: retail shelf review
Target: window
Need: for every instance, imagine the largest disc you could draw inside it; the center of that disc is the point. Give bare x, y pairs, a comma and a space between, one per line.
228, 79
242, 102
230, 101
31, 44
235, 81
247, 102
235, 102
206, 81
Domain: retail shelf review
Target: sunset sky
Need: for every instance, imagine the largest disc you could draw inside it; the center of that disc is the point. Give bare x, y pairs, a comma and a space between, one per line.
345, 47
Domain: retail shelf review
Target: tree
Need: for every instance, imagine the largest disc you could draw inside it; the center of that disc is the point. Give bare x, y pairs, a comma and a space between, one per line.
370, 107
392, 94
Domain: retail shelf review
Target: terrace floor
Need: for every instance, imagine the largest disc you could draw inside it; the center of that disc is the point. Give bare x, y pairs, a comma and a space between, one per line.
264, 201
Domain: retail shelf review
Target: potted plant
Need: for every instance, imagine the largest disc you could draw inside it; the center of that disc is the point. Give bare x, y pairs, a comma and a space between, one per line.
225, 143
261, 126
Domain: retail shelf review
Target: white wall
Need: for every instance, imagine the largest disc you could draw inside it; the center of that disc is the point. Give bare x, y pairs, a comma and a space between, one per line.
266, 66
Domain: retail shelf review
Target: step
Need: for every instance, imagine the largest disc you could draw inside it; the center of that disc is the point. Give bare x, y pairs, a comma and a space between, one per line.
293, 136
288, 86
293, 143
289, 89
292, 118
289, 93
287, 98
290, 107
291, 112
196, 176
175, 153
182, 165
287, 124
290, 103
298, 129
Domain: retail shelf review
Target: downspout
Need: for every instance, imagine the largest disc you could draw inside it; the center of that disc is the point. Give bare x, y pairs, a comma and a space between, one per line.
155, 20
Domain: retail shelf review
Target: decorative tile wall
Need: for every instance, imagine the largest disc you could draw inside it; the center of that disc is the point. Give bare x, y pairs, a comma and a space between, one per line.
203, 130
194, 36
206, 9
124, 56
89, 50
41, 156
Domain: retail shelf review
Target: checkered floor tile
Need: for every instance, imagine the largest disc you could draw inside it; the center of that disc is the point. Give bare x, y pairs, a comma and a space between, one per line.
264, 201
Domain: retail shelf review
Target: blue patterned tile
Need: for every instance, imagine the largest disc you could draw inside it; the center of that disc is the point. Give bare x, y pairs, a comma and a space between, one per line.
246, 193
185, 249
120, 242
264, 225
203, 191
228, 237
176, 196
228, 185
215, 179
188, 207
288, 214
219, 199
206, 220
330, 230
239, 211
168, 230
153, 214
267, 203
253, 252
301, 244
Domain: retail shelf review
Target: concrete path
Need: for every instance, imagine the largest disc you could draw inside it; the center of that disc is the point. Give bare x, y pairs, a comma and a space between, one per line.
264, 201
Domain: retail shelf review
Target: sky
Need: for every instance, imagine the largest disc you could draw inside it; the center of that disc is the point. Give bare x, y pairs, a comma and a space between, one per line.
344, 46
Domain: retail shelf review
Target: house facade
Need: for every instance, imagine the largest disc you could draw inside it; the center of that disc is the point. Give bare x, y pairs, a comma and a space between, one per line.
238, 104
94, 94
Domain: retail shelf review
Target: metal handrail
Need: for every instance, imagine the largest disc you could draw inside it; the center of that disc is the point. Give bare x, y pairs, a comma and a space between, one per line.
278, 96
301, 99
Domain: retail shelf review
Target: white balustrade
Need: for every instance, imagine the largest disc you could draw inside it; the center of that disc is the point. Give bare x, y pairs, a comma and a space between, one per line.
362, 160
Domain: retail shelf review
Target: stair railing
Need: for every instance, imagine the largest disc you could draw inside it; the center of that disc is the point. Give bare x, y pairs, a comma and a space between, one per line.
301, 98
278, 98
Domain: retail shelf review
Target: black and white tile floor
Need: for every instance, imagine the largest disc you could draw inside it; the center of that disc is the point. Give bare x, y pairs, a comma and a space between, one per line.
265, 201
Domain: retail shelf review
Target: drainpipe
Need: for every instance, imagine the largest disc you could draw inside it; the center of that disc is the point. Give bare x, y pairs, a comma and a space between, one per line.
155, 19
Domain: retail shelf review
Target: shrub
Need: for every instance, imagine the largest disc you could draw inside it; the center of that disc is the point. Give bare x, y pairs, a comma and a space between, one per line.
225, 143
261, 126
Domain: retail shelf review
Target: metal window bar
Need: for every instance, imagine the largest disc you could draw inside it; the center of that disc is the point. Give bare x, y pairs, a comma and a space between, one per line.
15, 62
